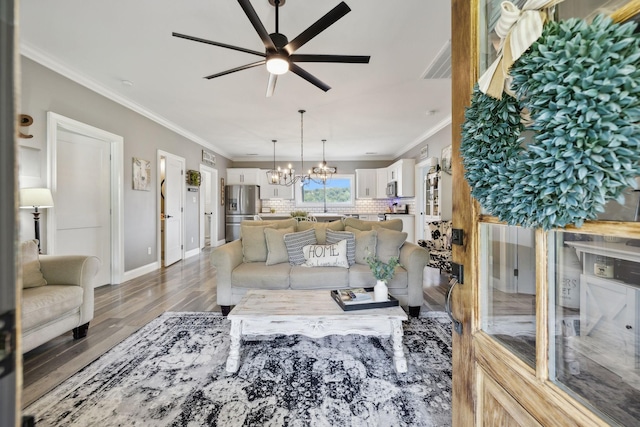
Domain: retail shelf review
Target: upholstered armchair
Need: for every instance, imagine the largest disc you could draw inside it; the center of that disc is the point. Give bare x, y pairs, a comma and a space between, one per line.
438, 243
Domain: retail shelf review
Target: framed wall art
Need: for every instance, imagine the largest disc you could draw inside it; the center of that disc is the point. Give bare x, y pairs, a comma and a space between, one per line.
222, 191
446, 159
141, 174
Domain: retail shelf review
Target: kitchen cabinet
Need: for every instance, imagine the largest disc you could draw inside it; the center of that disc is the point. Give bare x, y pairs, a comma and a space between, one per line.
366, 184
243, 176
381, 187
408, 224
403, 172
368, 217
273, 191
432, 207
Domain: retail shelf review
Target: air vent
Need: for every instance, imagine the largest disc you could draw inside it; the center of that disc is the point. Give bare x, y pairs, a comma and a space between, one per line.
440, 68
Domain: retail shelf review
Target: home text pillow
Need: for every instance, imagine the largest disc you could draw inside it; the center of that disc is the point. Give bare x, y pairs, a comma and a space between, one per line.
336, 236
389, 243
365, 243
254, 245
276, 249
326, 255
296, 241
321, 228
31, 275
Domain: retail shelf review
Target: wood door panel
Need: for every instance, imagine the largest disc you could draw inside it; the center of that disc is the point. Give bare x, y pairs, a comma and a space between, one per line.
499, 408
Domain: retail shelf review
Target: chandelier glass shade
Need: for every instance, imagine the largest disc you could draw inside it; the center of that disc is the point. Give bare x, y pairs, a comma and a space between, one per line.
287, 177
323, 172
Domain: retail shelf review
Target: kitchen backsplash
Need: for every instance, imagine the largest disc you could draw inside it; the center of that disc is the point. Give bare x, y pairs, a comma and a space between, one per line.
368, 206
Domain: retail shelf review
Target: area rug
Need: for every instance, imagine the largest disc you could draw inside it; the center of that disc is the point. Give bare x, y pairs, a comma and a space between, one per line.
172, 373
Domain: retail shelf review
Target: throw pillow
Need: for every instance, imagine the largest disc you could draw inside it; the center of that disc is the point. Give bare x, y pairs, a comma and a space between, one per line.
254, 245
389, 243
296, 241
365, 244
336, 236
276, 249
326, 255
321, 228
276, 223
31, 275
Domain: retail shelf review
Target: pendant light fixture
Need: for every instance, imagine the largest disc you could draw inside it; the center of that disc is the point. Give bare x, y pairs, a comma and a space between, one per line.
322, 173
287, 177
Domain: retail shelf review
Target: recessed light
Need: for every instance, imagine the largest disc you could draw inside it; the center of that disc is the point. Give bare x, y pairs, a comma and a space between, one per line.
127, 82
431, 112
371, 152
252, 154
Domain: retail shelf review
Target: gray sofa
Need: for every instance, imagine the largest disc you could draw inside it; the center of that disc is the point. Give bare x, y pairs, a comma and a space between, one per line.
239, 267
57, 295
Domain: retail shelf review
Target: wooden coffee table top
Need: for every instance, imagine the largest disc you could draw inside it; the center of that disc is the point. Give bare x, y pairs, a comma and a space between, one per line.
296, 303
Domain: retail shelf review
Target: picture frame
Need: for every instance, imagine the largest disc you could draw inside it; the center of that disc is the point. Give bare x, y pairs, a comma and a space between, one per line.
222, 191
141, 178
445, 159
208, 158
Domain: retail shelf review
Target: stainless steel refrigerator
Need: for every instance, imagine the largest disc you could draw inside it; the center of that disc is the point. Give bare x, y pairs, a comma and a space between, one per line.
242, 202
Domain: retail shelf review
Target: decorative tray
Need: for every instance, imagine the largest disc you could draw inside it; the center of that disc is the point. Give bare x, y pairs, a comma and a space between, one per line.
364, 304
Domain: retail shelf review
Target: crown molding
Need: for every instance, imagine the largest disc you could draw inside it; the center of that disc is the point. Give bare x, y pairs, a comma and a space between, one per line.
423, 138
47, 61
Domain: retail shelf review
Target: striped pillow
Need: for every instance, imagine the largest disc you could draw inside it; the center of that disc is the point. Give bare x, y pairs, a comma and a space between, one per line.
296, 241
335, 236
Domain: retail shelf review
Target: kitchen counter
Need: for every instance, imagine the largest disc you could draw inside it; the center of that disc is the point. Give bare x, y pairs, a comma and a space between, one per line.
322, 217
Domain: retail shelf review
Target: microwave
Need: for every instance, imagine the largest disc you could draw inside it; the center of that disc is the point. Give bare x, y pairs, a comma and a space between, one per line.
392, 189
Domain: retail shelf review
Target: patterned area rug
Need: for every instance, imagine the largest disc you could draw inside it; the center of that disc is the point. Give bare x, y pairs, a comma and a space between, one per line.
172, 373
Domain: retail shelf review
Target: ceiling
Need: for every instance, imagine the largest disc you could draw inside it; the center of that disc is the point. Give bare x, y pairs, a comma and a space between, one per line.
374, 111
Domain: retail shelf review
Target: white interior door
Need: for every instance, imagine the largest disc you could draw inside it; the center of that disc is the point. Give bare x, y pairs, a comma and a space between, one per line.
208, 207
173, 197
82, 199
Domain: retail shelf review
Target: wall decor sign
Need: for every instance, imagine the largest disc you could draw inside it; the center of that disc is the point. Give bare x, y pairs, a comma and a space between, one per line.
141, 174
208, 158
222, 191
446, 159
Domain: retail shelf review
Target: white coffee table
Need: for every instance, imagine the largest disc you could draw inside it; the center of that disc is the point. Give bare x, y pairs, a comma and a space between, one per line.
311, 313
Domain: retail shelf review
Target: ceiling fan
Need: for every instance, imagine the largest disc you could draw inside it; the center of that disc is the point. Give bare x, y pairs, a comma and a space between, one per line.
279, 55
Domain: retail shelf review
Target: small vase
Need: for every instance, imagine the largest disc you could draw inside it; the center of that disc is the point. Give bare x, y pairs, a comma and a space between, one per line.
380, 291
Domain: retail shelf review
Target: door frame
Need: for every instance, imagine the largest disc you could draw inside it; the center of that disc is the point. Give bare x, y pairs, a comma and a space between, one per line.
160, 154
116, 142
214, 197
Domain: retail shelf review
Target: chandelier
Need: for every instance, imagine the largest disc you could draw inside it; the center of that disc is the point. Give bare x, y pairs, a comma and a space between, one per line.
287, 177
323, 172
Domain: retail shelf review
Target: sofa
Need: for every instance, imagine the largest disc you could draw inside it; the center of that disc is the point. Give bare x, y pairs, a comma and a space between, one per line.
57, 295
272, 255
438, 243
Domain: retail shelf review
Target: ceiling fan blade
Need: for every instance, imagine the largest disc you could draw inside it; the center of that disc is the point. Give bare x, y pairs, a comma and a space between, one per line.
347, 59
308, 77
227, 46
319, 26
273, 78
233, 70
257, 24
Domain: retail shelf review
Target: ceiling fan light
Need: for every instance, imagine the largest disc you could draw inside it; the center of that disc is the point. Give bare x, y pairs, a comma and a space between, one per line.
277, 65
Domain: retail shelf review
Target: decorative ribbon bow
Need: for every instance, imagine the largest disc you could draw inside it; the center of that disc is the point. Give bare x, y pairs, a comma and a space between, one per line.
517, 29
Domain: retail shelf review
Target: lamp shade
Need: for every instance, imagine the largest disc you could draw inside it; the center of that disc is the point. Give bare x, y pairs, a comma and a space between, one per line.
35, 197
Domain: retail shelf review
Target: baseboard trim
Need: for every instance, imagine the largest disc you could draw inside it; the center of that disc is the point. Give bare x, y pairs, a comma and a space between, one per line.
132, 274
192, 252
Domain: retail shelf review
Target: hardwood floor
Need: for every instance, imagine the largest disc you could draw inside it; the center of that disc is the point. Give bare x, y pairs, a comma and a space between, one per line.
120, 310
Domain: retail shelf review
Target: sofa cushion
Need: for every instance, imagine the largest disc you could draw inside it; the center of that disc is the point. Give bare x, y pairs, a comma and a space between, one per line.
254, 244
296, 241
336, 236
321, 228
258, 275
326, 255
276, 223
319, 278
276, 249
358, 224
31, 275
389, 243
365, 244
44, 304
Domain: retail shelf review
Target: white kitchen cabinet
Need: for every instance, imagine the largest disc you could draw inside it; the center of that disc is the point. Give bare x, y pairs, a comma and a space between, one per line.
243, 176
408, 225
381, 187
366, 184
432, 206
403, 172
368, 217
273, 191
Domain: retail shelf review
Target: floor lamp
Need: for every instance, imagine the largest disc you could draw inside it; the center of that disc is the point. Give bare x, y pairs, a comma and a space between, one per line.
36, 198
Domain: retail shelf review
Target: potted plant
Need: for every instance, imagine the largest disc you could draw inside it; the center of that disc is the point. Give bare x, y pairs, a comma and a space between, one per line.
383, 272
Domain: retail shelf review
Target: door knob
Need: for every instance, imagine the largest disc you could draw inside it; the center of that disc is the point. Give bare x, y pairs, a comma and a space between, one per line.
168, 216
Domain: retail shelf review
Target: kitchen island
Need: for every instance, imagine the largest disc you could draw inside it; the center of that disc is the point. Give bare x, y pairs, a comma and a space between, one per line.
321, 217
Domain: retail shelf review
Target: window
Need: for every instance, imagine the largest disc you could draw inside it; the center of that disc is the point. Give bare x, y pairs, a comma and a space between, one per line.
338, 192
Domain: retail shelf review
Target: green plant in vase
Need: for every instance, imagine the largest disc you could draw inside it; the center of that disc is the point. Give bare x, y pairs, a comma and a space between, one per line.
382, 272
